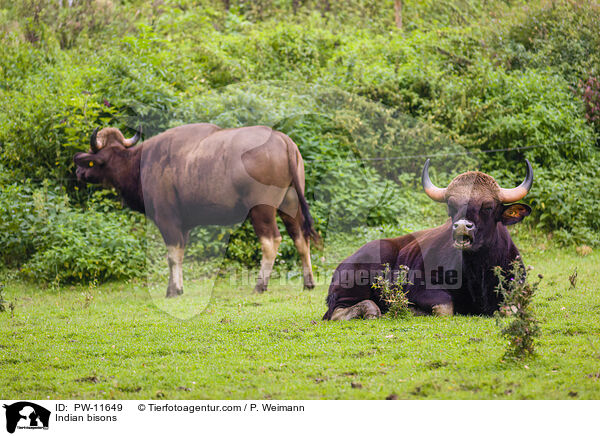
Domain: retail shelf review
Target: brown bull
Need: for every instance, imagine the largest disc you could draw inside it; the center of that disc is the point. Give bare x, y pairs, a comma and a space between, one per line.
450, 267
200, 174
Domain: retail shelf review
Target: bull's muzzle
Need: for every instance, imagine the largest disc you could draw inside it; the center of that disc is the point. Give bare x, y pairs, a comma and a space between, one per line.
463, 233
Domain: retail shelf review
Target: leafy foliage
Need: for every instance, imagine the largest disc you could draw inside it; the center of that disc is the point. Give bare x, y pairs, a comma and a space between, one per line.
391, 286
364, 101
53, 241
3, 302
517, 293
565, 202
589, 90
558, 34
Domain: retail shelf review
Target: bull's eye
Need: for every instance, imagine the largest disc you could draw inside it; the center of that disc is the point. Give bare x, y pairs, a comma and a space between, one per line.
91, 163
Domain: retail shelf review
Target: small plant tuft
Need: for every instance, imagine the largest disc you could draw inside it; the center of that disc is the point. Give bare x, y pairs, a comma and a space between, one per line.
3, 302
573, 279
88, 296
392, 291
523, 327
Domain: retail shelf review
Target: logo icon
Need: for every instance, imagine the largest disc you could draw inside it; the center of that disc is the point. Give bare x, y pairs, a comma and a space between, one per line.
26, 415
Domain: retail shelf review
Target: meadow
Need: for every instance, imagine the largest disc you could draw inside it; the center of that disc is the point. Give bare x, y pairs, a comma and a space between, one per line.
113, 341
474, 85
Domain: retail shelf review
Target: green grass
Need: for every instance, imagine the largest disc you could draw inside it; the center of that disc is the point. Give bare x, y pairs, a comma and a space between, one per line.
113, 341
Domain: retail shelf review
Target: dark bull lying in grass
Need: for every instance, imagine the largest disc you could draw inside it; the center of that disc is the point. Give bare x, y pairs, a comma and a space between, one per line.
199, 174
451, 267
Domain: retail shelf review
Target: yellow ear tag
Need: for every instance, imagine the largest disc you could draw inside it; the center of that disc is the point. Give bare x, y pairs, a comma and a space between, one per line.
91, 163
513, 212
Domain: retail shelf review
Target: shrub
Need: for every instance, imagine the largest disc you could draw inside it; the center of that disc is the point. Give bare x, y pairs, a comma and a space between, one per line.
86, 246
589, 91
562, 35
497, 109
54, 118
3, 302
391, 287
565, 201
51, 240
523, 327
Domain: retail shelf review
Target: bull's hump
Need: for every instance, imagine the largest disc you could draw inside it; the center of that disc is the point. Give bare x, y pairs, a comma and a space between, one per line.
189, 130
243, 137
189, 135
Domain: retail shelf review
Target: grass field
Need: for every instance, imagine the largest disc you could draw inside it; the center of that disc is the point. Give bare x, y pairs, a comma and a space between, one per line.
113, 341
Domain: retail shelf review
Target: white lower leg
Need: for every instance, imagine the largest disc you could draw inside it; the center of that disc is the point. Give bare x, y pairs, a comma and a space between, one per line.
175, 258
443, 309
366, 309
303, 247
269, 247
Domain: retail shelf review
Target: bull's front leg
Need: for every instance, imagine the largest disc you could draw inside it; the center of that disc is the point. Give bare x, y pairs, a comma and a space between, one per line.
175, 239
175, 259
444, 309
366, 309
436, 302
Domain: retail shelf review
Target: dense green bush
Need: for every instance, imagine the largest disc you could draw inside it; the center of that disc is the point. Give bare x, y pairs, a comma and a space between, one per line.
364, 101
535, 110
566, 201
51, 240
560, 34
589, 91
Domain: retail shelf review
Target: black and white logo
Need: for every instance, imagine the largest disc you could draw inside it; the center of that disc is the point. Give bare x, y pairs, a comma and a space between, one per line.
26, 415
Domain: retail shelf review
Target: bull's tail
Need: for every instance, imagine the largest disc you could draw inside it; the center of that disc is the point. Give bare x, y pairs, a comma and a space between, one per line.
308, 223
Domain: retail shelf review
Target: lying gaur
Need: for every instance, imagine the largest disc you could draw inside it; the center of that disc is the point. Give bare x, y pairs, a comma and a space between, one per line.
450, 267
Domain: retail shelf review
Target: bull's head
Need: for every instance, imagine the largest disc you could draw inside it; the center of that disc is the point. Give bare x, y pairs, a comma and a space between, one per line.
476, 204
105, 145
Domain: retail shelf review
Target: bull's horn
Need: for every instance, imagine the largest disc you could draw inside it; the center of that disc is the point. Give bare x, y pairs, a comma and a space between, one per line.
93, 141
435, 193
515, 194
133, 140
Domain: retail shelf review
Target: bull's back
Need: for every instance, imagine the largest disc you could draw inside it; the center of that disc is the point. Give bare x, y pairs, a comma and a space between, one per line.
217, 175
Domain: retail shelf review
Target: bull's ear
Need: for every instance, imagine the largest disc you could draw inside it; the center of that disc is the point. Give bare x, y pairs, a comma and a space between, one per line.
86, 160
514, 213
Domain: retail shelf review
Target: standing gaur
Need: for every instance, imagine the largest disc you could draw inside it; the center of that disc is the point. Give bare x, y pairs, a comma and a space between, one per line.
200, 174
450, 267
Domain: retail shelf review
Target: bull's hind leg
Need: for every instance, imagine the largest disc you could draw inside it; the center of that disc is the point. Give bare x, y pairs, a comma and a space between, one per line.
263, 220
292, 225
366, 309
